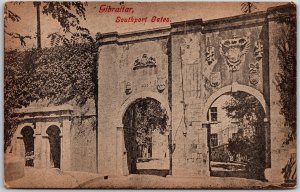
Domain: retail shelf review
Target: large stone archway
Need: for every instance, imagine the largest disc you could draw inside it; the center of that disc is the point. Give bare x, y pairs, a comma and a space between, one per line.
145, 94
122, 168
235, 87
146, 137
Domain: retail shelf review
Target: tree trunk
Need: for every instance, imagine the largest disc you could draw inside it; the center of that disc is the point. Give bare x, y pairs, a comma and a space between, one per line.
38, 24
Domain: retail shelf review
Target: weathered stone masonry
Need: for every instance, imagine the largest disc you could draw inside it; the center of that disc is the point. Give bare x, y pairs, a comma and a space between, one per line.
186, 67
41, 120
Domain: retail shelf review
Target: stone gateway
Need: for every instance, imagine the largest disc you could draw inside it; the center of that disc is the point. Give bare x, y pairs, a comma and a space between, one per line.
186, 67
160, 98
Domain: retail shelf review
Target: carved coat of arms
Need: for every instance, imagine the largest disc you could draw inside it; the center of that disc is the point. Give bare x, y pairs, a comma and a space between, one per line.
254, 73
144, 62
210, 54
161, 84
128, 88
234, 51
258, 49
215, 79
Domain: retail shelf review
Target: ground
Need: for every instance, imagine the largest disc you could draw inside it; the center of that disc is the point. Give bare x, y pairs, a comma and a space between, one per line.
54, 178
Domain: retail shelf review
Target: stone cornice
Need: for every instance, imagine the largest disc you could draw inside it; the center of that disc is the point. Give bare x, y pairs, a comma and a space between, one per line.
198, 25
62, 109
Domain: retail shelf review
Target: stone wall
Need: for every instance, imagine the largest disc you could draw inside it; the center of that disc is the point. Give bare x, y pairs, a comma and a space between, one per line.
83, 137
280, 153
83, 144
201, 61
128, 71
77, 126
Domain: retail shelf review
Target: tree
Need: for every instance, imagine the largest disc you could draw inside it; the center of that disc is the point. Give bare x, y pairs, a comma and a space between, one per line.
286, 82
247, 110
38, 24
287, 76
59, 74
149, 116
68, 15
11, 16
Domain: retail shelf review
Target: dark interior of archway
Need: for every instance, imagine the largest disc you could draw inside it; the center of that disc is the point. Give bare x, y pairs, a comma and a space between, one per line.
27, 133
244, 154
139, 120
54, 141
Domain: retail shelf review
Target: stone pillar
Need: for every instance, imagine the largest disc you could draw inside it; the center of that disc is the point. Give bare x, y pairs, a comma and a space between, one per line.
20, 150
65, 153
44, 151
38, 146
268, 174
108, 104
18, 143
203, 135
279, 152
122, 168
14, 145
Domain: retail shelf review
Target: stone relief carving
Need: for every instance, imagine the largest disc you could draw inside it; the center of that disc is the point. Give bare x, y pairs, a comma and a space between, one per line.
234, 51
128, 88
209, 52
188, 49
254, 67
144, 62
258, 49
215, 79
254, 73
161, 84
164, 47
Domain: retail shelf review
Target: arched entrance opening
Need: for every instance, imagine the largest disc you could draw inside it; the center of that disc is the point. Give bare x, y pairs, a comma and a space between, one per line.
28, 139
237, 136
54, 142
146, 137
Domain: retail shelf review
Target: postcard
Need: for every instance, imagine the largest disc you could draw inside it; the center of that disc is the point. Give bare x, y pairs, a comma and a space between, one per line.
150, 95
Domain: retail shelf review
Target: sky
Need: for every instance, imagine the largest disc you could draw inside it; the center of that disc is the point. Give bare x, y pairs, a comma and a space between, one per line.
105, 22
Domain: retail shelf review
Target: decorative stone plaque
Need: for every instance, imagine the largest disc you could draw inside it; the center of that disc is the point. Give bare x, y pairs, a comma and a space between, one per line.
234, 50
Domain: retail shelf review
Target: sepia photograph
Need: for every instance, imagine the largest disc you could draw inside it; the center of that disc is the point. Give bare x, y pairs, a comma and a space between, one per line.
150, 95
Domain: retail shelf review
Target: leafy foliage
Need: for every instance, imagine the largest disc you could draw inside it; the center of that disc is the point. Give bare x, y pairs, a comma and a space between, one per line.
248, 7
240, 145
67, 14
286, 78
290, 170
247, 110
11, 16
147, 116
59, 74
22, 38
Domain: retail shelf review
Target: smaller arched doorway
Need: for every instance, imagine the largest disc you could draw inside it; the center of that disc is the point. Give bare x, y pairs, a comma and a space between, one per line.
146, 137
28, 139
237, 136
54, 142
